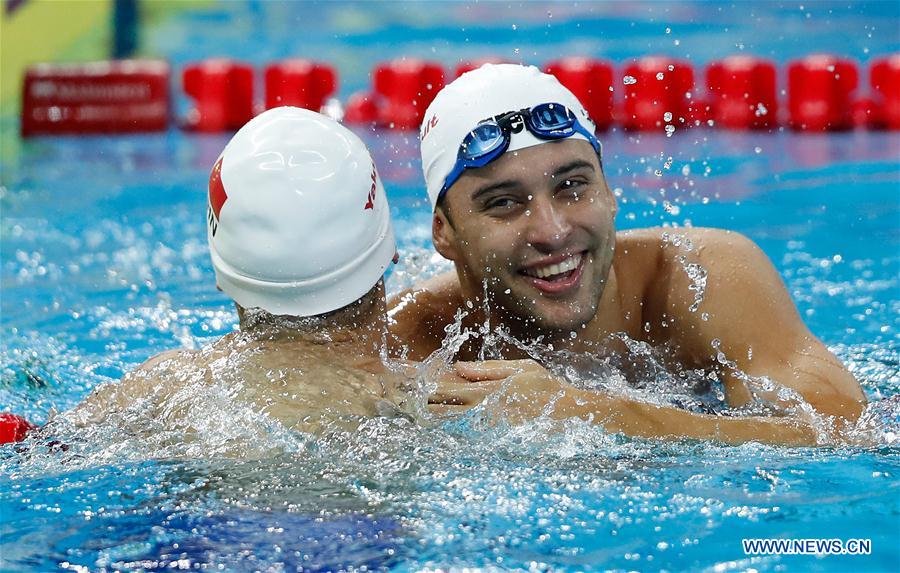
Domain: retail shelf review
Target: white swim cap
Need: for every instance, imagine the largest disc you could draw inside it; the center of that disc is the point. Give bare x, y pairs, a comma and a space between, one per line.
481, 94
298, 222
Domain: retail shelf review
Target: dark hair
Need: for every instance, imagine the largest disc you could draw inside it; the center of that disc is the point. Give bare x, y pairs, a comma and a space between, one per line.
359, 311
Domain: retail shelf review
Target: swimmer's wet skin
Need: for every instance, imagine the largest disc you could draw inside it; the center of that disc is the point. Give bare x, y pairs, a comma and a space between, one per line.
533, 229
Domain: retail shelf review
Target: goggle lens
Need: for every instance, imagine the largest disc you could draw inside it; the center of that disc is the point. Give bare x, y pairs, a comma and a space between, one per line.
482, 140
551, 117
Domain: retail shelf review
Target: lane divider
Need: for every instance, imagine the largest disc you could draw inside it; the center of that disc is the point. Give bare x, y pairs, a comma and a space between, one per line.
653, 93
13, 428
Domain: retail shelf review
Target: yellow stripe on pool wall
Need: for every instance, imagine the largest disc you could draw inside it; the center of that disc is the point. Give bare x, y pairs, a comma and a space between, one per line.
33, 31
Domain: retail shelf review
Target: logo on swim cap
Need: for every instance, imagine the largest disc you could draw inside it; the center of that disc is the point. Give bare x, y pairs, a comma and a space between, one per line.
427, 126
217, 197
370, 200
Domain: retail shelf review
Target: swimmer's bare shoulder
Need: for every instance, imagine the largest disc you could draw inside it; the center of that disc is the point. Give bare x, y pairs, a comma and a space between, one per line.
417, 316
145, 380
739, 306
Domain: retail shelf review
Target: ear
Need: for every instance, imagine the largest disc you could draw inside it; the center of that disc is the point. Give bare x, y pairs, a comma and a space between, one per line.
614, 205
443, 236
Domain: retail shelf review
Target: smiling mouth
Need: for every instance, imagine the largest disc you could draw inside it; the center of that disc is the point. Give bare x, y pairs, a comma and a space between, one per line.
557, 277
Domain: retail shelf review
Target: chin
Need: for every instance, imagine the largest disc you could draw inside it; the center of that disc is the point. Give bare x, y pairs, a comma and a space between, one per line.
569, 322
564, 317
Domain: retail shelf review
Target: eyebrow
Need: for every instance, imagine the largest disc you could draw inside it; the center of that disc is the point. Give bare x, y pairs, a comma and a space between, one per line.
508, 184
504, 185
572, 166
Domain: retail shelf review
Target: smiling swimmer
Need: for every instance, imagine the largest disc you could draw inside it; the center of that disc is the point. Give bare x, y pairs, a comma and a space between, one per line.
522, 208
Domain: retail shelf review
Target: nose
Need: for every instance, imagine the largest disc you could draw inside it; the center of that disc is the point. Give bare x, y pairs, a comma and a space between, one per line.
549, 227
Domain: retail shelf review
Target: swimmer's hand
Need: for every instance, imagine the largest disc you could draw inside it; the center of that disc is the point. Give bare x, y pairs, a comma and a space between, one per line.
521, 390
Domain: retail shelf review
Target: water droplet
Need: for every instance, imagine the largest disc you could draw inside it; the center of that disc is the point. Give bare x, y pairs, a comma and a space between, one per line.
660, 75
670, 129
629, 80
515, 27
667, 116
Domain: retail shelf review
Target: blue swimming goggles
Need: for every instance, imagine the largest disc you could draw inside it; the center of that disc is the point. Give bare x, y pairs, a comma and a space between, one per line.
490, 138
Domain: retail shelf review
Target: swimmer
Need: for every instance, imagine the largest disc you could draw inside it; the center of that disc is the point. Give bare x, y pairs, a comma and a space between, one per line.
522, 208
300, 238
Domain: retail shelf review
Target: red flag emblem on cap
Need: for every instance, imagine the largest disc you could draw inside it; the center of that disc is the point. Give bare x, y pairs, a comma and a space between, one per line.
217, 194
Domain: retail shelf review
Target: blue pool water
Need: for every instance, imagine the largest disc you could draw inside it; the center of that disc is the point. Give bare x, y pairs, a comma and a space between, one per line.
104, 263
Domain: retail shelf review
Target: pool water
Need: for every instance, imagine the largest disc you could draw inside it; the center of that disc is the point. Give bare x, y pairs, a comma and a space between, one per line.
104, 263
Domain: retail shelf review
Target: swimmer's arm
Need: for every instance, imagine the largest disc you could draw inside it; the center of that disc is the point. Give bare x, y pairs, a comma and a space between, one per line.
522, 390
758, 328
417, 316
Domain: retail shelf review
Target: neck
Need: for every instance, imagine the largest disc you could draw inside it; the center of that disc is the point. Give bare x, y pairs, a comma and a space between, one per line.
355, 332
367, 335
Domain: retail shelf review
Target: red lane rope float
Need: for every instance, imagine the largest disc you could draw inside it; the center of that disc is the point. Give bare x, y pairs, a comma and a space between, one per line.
362, 108
743, 93
299, 83
592, 83
13, 428
222, 91
884, 78
402, 91
407, 88
820, 93
656, 94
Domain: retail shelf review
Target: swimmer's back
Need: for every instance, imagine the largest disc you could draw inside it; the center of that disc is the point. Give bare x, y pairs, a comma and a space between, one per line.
301, 386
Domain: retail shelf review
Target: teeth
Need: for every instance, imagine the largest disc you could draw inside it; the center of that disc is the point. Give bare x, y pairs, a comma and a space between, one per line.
551, 270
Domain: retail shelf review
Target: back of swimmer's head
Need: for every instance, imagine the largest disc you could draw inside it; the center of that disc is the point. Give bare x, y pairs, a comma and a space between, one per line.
298, 222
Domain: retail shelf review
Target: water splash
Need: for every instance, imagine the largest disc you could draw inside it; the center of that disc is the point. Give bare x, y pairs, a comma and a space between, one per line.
696, 273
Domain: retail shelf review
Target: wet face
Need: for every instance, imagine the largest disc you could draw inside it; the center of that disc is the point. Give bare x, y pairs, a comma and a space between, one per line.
535, 226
